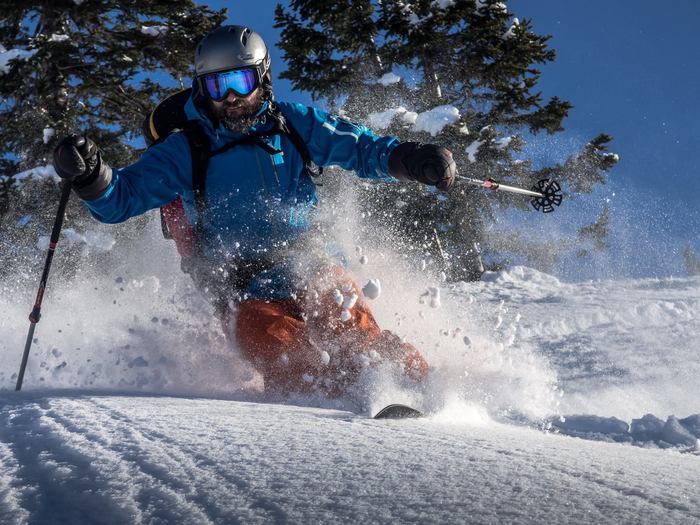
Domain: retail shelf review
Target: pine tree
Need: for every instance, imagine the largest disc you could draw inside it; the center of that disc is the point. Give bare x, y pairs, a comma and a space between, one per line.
394, 63
88, 66
95, 67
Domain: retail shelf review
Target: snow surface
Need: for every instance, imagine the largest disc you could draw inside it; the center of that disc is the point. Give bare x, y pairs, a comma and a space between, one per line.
547, 401
112, 459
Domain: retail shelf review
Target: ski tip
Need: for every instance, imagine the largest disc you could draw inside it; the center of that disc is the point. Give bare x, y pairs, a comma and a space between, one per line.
397, 412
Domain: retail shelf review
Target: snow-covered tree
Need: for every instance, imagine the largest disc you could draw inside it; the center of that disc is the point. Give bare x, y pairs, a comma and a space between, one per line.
88, 66
460, 73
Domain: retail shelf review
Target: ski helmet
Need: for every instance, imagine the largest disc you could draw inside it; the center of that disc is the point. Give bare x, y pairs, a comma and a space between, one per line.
234, 47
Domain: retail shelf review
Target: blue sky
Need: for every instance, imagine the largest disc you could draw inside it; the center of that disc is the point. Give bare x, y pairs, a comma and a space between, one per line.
632, 69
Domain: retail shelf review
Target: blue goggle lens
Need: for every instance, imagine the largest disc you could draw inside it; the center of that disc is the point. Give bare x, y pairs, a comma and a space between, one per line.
241, 81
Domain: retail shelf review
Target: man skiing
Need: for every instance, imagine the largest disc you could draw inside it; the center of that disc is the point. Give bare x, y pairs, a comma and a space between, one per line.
286, 303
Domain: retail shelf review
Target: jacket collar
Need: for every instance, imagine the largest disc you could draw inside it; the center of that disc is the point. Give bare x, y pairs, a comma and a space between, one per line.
220, 134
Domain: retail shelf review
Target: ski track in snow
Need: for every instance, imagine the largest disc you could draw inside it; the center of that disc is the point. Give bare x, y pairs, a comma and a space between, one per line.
150, 459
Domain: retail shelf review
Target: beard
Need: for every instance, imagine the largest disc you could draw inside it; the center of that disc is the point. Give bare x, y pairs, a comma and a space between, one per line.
239, 116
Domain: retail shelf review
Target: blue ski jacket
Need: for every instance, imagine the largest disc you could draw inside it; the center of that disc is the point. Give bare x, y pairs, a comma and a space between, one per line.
256, 202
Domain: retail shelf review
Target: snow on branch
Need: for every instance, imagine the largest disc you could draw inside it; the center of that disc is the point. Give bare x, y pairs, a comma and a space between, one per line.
432, 121
7, 56
154, 30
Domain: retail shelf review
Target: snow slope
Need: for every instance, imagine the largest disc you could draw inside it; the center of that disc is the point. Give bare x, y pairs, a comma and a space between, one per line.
135, 409
72, 458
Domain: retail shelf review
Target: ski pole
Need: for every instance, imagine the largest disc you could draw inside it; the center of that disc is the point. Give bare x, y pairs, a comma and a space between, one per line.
546, 193
35, 314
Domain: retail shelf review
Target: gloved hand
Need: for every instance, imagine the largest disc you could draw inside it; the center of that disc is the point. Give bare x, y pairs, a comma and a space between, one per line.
426, 163
78, 158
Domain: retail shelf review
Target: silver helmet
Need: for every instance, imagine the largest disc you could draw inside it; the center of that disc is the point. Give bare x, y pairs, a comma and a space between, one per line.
233, 47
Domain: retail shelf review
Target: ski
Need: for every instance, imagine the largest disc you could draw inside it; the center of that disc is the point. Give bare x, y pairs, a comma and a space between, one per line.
397, 412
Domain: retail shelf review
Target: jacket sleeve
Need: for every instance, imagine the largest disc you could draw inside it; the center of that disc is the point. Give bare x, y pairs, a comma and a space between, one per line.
162, 173
335, 141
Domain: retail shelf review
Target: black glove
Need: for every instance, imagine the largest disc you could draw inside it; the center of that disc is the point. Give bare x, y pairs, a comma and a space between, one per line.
78, 158
426, 163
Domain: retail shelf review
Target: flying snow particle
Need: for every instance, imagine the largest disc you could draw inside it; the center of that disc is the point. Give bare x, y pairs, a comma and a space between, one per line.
372, 289
345, 316
350, 301
434, 296
325, 358
467, 341
308, 378
337, 297
48, 133
23, 221
364, 259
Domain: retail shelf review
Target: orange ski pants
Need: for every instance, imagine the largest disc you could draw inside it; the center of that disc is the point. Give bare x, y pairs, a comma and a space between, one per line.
319, 341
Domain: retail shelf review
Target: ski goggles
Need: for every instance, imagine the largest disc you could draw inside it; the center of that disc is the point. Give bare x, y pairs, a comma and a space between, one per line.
241, 81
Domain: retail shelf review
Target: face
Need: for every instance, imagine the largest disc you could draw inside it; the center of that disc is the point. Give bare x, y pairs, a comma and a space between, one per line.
238, 113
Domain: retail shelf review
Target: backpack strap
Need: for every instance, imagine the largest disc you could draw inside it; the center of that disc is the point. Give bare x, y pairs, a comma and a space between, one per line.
201, 154
286, 128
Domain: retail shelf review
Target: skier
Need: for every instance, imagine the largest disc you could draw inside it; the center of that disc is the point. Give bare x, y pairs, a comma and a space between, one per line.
295, 315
